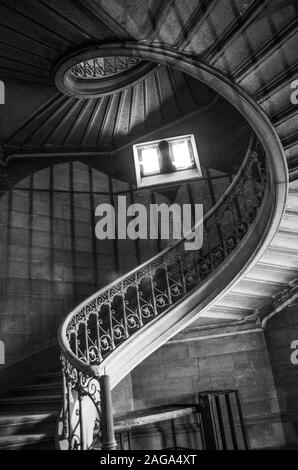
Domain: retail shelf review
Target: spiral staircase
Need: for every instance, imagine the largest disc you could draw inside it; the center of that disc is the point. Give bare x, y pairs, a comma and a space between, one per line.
244, 50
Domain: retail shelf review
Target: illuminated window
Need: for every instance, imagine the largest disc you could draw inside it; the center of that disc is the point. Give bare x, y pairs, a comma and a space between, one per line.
149, 161
181, 154
166, 160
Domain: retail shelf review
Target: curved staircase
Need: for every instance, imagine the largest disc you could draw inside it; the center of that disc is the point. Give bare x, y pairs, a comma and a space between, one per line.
28, 416
254, 44
118, 327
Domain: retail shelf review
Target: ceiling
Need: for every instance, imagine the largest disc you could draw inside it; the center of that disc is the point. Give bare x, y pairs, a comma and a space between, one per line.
252, 41
68, 124
36, 35
237, 37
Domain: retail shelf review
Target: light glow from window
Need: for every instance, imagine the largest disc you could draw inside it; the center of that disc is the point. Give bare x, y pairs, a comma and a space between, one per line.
181, 154
150, 161
162, 164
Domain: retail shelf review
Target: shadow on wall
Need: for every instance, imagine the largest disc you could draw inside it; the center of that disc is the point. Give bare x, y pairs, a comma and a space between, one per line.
280, 332
50, 257
234, 359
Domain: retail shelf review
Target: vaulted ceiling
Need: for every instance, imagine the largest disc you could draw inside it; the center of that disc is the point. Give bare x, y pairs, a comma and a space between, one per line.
66, 123
35, 35
254, 41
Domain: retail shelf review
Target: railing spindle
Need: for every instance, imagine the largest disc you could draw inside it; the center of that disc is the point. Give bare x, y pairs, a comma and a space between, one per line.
147, 292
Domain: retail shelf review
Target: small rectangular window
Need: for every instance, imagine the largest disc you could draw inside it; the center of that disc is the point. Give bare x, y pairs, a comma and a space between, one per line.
182, 155
149, 161
166, 160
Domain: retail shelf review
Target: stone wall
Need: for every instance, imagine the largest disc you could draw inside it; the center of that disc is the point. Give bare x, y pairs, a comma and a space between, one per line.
50, 257
280, 332
210, 359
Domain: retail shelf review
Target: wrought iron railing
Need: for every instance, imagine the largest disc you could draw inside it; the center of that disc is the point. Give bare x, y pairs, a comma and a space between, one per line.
110, 317
103, 67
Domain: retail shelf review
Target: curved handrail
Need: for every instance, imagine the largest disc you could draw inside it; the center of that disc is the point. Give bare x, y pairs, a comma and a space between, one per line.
110, 317
62, 333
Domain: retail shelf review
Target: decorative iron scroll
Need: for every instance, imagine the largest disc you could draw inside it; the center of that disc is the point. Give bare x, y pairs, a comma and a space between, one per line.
115, 314
81, 406
103, 67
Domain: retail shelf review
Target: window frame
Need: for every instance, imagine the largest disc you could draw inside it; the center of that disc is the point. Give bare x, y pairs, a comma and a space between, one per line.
164, 178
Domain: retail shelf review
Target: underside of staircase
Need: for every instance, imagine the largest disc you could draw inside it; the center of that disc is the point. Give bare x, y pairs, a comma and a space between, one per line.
256, 46
29, 413
271, 274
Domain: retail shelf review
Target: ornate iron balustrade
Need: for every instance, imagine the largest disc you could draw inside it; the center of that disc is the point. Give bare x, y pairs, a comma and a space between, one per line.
103, 67
93, 331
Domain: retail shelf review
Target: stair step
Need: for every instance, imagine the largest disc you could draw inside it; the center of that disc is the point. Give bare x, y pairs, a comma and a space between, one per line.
31, 403
290, 220
53, 388
248, 303
49, 377
24, 423
280, 258
285, 239
265, 273
294, 186
255, 287
292, 201
28, 441
21, 418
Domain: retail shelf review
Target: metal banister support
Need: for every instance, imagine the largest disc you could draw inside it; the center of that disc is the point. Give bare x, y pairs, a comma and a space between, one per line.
112, 316
106, 417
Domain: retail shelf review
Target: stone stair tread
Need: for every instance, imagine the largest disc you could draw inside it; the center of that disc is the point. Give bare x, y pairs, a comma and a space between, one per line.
49, 375
25, 439
38, 386
7, 418
286, 231
30, 399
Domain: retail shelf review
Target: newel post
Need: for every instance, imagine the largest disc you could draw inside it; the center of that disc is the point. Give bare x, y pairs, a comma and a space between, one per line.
106, 415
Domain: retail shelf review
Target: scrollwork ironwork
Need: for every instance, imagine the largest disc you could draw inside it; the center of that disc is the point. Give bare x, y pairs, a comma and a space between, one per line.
114, 315
103, 67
